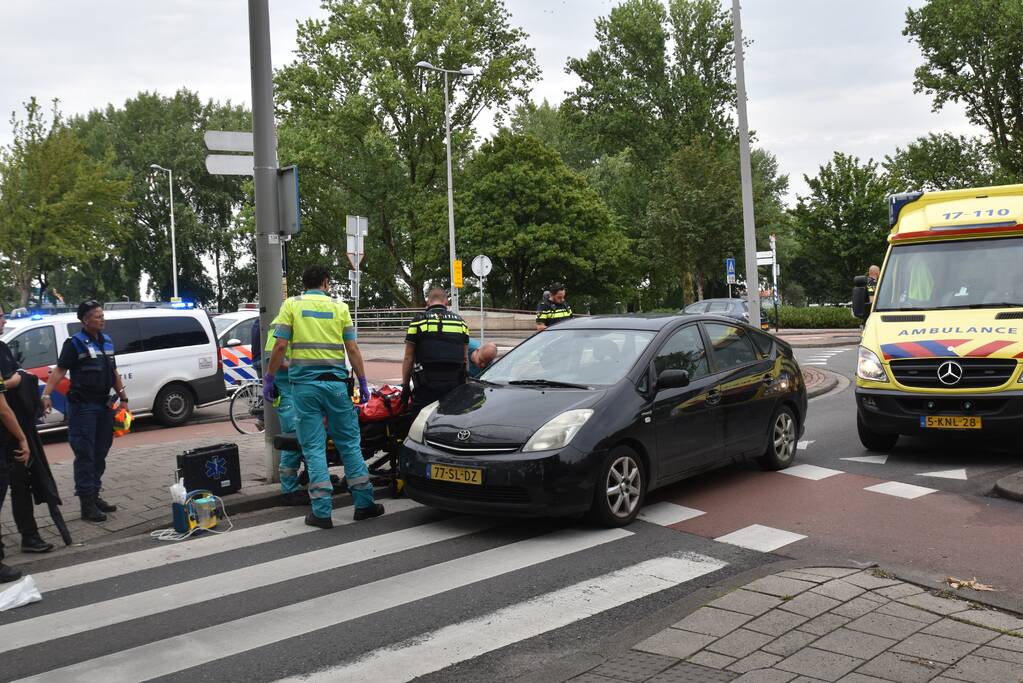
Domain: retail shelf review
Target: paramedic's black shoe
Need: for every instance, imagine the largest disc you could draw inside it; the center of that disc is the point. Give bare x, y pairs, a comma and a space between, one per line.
321, 522
8, 574
90, 512
375, 510
296, 498
32, 543
104, 506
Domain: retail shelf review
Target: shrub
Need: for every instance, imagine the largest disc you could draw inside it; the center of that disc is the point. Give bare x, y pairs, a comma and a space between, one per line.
815, 317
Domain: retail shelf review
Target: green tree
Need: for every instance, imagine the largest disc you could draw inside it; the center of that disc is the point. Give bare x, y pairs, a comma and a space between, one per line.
559, 128
367, 127
658, 77
973, 54
155, 129
695, 218
942, 161
59, 208
540, 223
842, 226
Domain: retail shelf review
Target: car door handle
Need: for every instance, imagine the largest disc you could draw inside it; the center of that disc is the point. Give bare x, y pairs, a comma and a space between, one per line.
713, 397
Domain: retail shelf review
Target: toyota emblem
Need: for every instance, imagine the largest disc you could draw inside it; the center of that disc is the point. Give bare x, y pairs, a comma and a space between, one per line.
464, 434
949, 373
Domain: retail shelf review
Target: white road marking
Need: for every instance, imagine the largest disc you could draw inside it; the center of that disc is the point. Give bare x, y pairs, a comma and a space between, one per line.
201, 646
946, 474
460, 642
667, 514
869, 459
803, 445
900, 490
147, 603
762, 538
202, 546
812, 472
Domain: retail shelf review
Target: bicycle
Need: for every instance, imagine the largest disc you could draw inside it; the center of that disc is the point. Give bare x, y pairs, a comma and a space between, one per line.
246, 407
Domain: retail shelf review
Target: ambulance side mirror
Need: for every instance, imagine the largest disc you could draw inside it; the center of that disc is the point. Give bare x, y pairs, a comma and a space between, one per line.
860, 304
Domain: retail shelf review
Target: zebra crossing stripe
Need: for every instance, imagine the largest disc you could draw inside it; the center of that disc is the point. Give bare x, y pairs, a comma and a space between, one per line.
171, 655
202, 546
147, 603
460, 642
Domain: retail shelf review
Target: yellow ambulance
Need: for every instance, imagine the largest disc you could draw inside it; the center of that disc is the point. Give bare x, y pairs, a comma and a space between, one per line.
942, 347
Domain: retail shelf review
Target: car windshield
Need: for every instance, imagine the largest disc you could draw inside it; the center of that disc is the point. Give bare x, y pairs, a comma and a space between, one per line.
953, 274
571, 356
223, 324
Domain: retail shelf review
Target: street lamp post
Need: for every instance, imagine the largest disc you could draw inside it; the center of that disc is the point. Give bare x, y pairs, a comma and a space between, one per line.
174, 250
451, 191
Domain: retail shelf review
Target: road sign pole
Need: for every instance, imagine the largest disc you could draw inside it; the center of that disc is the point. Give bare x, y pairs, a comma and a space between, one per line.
482, 285
269, 273
748, 224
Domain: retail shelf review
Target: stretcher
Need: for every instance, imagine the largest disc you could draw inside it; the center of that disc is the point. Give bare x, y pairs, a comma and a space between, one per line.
380, 441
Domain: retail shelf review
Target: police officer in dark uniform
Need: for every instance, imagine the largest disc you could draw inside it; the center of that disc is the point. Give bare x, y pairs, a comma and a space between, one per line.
436, 353
14, 446
89, 356
554, 310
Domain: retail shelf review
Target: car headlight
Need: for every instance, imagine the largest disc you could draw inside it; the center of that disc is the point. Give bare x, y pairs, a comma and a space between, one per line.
415, 432
868, 366
558, 432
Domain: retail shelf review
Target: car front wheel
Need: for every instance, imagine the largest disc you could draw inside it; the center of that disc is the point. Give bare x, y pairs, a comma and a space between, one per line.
620, 489
781, 440
874, 441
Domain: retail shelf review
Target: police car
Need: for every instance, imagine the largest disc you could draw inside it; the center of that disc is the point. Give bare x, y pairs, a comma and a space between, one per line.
234, 336
942, 344
167, 357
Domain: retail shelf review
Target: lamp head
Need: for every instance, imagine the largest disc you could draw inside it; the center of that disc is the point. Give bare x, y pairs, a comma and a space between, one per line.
425, 65
467, 71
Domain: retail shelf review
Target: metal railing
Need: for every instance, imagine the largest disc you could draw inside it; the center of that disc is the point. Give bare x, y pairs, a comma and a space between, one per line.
398, 319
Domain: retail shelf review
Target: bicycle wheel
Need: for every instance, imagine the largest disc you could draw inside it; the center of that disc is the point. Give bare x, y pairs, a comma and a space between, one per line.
246, 408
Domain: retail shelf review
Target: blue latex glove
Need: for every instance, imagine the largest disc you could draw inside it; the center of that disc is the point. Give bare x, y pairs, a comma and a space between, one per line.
268, 387
363, 390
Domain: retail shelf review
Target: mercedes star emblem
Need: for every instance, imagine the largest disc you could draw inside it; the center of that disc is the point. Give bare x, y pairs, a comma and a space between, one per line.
464, 434
949, 373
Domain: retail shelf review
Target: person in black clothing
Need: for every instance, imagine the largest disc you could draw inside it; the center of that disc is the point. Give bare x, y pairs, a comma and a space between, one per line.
21, 493
20, 455
436, 353
553, 311
89, 356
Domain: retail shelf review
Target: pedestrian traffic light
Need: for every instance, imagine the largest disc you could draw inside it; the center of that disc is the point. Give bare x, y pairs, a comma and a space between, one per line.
456, 271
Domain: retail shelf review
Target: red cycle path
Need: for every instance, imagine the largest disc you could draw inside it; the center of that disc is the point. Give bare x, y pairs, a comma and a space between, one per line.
963, 536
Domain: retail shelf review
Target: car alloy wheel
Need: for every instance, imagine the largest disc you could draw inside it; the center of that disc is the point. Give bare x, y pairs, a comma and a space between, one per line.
784, 436
624, 486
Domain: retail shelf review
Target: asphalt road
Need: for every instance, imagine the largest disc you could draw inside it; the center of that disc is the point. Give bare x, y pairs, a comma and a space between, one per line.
453, 598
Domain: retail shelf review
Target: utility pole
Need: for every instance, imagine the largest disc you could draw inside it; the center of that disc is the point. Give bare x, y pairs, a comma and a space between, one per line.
269, 270
748, 224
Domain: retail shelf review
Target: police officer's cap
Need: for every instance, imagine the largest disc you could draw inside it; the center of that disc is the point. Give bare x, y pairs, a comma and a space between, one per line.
86, 307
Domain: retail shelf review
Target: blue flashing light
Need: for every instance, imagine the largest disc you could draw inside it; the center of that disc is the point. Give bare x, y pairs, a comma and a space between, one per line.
36, 316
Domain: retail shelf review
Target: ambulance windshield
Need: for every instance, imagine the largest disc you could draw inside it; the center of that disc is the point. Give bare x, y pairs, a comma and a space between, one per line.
953, 274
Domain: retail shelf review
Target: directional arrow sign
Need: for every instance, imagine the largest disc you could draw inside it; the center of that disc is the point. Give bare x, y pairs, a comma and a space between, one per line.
228, 141
229, 164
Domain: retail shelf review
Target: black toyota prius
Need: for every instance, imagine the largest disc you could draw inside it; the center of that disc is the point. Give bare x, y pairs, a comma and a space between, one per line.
590, 415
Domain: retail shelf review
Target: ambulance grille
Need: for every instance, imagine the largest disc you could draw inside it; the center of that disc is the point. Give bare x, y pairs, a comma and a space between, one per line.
1010, 315
978, 373
912, 318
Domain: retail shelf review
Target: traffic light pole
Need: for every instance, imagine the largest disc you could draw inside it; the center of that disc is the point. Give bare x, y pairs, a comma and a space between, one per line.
269, 270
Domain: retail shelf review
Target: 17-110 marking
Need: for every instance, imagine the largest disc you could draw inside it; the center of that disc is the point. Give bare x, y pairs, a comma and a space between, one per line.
952, 215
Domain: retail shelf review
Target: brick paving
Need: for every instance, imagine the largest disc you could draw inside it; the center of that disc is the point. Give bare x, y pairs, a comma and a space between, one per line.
828, 624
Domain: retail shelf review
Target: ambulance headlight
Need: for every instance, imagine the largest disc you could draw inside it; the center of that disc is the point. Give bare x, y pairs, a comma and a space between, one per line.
869, 367
415, 432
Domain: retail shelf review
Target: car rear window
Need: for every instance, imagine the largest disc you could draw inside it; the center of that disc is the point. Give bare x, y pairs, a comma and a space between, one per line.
763, 342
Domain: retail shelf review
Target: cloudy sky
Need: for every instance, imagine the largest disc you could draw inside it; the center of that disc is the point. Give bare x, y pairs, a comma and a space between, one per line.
822, 75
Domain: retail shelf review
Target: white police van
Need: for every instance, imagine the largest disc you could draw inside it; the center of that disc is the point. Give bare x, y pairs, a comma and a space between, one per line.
168, 358
234, 336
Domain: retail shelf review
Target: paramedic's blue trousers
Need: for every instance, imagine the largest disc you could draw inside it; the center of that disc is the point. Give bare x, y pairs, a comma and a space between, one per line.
314, 401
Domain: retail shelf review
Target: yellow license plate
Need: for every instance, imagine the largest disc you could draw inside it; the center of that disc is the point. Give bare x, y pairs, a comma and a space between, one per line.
460, 475
950, 422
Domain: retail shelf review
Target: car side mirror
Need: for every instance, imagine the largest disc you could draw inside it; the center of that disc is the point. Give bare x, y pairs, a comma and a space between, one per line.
860, 303
232, 342
672, 379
